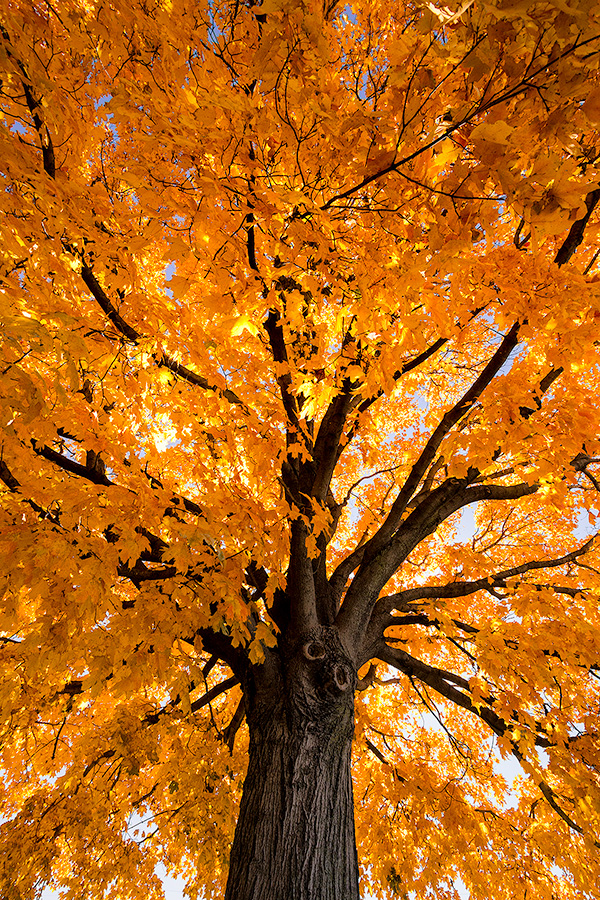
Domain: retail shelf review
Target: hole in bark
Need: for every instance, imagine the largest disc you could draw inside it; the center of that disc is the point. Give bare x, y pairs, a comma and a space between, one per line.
341, 677
314, 650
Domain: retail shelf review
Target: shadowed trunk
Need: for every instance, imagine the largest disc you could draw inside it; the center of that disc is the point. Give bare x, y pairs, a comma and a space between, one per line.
295, 835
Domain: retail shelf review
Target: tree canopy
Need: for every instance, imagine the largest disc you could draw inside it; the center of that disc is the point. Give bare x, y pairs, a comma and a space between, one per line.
300, 305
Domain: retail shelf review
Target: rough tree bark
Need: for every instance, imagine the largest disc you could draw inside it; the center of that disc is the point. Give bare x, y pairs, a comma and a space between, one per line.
295, 838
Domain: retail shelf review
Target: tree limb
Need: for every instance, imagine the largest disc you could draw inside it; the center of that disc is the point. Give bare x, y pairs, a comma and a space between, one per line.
384, 534
284, 380
107, 306
34, 106
215, 691
98, 477
402, 599
439, 679
445, 683
47, 147
134, 336
301, 582
426, 515
479, 108
8, 478
407, 367
327, 447
93, 474
233, 727
199, 381
375, 571
577, 230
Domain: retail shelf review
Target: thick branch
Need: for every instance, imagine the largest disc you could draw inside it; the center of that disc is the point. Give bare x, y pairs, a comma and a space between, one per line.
95, 475
448, 421
362, 405
441, 681
45, 140
464, 588
438, 680
217, 643
408, 601
327, 444
107, 306
139, 573
545, 384
14, 486
551, 798
576, 232
233, 727
407, 367
301, 582
34, 106
221, 645
87, 273
446, 498
214, 692
375, 571
8, 478
133, 335
284, 379
199, 381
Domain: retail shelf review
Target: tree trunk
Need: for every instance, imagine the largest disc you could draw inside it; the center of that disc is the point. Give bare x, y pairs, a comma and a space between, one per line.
295, 839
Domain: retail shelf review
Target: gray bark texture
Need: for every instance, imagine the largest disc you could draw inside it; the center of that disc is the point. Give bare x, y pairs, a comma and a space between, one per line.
295, 835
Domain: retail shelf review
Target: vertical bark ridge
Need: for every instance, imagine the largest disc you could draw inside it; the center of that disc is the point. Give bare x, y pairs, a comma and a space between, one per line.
295, 836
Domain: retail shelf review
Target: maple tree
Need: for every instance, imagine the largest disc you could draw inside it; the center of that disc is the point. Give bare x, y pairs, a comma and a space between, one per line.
299, 451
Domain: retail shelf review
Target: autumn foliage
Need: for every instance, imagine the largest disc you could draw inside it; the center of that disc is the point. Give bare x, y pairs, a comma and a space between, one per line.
300, 315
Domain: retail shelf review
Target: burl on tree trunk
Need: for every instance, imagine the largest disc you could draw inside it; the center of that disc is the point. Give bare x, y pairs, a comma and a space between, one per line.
295, 834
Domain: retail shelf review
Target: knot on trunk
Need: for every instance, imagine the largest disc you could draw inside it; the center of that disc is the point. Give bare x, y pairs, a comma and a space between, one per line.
321, 677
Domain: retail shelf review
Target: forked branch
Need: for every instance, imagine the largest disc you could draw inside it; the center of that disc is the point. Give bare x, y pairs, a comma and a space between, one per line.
376, 570
402, 599
385, 533
443, 683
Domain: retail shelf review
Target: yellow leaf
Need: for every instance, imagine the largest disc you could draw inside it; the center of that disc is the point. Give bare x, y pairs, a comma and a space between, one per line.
242, 324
